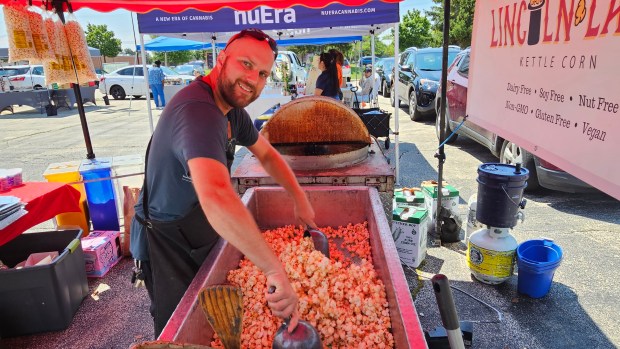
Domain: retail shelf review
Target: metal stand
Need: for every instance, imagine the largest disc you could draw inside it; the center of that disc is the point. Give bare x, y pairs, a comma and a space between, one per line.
441, 156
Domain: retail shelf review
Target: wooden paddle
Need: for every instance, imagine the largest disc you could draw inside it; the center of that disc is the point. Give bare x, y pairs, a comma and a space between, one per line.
223, 307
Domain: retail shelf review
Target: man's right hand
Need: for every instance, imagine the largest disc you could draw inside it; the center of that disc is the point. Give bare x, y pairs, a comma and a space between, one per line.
284, 301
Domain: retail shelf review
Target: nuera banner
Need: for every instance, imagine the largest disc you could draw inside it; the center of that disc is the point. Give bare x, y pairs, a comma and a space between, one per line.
544, 74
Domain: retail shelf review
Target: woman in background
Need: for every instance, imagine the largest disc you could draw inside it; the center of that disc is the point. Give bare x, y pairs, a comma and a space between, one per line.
327, 83
339, 63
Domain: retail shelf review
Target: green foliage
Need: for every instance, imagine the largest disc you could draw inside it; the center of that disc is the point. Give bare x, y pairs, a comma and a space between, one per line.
100, 37
381, 49
414, 30
129, 51
199, 55
461, 22
305, 50
173, 57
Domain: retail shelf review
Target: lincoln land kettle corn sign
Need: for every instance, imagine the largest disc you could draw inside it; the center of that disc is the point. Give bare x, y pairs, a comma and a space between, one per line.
544, 75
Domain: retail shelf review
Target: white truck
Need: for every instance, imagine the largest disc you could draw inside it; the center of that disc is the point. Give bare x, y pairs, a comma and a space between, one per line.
295, 68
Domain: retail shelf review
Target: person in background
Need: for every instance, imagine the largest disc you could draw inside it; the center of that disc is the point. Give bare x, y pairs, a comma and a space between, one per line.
156, 83
187, 200
366, 82
369, 85
197, 73
339, 63
327, 82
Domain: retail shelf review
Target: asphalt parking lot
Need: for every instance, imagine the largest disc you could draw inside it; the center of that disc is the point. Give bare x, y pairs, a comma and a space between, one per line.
580, 311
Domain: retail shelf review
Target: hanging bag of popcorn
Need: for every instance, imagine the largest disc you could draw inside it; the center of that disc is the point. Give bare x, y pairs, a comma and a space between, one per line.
21, 46
42, 47
60, 70
79, 50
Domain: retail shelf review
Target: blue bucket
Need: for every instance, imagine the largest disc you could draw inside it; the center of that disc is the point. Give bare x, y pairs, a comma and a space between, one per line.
537, 261
500, 194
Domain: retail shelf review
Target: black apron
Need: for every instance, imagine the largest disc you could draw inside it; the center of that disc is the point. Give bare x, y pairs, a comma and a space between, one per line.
177, 249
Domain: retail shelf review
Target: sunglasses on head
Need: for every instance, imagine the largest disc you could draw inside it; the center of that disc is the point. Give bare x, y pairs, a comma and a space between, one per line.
258, 35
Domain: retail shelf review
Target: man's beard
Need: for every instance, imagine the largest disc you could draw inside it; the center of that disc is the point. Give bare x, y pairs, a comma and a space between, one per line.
226, 89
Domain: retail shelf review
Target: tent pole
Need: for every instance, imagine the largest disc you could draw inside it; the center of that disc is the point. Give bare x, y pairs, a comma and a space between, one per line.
396, 108
213, 58
78, 94
441, 156
166, 58
372, 53
360, 69
146, 82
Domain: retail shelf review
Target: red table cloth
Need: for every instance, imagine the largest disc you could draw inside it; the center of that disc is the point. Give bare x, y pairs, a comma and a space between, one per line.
43, 201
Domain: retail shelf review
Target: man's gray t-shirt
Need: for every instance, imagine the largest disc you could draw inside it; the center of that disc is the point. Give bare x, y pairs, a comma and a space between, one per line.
190, 127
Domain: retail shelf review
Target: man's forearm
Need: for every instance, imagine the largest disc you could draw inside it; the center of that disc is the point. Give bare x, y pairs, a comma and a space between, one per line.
235, 224
277, 168
227, 214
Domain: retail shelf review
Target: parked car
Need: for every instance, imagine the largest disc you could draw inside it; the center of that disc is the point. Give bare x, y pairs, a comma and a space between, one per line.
385, 70
419, 71
297, 70
100, 73
366, 60
188, 69
346, 71
23, 77
130, 81
542, 173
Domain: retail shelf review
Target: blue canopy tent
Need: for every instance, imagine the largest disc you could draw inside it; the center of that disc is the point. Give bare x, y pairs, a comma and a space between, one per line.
163, 44
294, 22
167, 44
318, 41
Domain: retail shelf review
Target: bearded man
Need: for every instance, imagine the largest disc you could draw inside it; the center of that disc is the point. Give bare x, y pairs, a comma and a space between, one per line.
187, 201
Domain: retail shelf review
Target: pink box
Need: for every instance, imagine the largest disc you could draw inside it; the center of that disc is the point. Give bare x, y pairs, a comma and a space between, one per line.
102, 250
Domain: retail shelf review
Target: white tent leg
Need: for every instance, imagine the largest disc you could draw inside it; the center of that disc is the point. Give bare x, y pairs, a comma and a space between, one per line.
396, 107
361, 67
372, 53
213, 50
146, 82
166, 59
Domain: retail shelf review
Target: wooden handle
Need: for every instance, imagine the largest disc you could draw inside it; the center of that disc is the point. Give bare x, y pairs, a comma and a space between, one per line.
223, 307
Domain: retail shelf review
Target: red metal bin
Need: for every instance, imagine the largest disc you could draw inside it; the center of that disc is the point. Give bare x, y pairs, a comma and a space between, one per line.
334, 206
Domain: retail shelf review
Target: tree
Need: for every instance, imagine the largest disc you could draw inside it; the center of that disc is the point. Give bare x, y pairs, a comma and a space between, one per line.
173, 57
414, 30
199, 55
381, 49
461, 22
100, 37
305, 50
129, 52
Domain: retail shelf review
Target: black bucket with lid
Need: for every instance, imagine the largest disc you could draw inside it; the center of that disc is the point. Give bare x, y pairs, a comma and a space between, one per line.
500, 194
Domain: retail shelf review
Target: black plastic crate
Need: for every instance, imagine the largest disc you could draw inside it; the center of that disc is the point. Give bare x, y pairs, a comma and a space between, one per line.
378, 124
41, 298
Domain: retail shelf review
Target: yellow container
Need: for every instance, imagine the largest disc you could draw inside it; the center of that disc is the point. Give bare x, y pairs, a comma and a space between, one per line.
68, 172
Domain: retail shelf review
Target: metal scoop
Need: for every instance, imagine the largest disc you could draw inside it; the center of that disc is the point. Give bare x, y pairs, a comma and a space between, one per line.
318, 239
304, 336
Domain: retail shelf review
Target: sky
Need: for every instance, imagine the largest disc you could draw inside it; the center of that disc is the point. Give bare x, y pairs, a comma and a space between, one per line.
120, 22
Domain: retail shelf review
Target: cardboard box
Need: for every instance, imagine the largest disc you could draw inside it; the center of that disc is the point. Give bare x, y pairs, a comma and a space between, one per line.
409, 197
449, 199
409, 230
102, 250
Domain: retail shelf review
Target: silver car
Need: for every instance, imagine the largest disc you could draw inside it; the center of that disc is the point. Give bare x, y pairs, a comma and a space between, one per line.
542, 173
